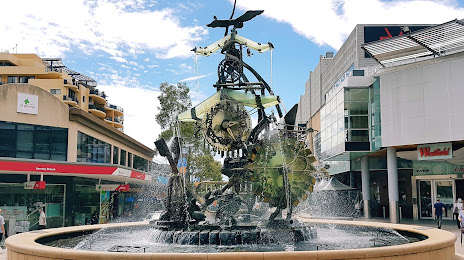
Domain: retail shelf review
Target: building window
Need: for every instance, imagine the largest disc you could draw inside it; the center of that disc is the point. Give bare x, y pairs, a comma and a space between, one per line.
83, 99
129, 160
122, 159
25, 79
140, 163
115, 155
90, 149
33, 141
12, 79
55, 91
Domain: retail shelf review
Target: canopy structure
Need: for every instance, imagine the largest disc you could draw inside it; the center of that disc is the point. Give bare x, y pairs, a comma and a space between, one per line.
433, 41
57, 64
334, 184
247, 99
320, 184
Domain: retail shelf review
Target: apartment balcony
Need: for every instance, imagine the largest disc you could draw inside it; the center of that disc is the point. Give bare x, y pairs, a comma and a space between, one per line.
118, 122
97, 96
97, 110
72, 101
118, 111
72, 84
109, 120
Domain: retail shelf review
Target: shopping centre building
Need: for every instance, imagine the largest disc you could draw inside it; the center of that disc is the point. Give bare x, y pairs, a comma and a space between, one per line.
62, 145
387, 115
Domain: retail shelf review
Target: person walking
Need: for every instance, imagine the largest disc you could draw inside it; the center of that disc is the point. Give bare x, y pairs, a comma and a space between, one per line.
456, 210
438, 209
42, 219
2, 232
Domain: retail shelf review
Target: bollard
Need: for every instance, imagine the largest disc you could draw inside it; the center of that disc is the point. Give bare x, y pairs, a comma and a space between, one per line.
383, 211
401, 214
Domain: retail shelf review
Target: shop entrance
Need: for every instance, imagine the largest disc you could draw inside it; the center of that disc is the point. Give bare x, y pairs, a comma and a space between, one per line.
430, 190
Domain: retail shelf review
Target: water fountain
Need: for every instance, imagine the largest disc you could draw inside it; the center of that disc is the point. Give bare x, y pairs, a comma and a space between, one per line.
269, 163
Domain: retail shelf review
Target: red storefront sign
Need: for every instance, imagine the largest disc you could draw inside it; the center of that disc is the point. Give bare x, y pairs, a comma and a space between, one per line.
435, 151
35, 167
34, 185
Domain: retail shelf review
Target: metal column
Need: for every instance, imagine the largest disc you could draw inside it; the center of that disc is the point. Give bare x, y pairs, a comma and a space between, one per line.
365, 181
393, 196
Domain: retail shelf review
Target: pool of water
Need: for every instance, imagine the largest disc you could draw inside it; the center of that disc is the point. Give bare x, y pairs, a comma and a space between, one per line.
139, 240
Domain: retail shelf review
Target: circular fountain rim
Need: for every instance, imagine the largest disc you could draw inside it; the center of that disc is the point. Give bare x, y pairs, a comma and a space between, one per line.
438, 242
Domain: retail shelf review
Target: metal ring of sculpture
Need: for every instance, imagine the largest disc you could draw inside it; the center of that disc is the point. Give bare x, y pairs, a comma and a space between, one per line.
229, 71
227, 125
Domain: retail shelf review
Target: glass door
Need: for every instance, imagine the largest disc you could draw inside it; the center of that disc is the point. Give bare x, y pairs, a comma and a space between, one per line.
444, 190
425, 199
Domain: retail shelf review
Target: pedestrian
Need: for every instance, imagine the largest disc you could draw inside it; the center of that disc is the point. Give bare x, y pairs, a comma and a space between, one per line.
2, 232
42, 219
95, 218
438, 209
457, 208
461, 218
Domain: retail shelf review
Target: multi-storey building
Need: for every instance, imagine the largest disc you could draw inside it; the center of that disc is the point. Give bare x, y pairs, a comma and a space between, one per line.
385, 109
58, 131
71, 87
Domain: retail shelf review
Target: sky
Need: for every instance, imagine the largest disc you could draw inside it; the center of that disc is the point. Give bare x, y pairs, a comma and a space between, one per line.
130, 47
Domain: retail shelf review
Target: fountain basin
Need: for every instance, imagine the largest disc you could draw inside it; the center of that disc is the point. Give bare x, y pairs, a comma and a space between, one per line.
438, 245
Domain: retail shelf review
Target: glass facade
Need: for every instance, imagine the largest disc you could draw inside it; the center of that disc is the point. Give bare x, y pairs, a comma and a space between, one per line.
122, 159
345, 119
90, 149
33, 141
115, 155
14, 199
140, 163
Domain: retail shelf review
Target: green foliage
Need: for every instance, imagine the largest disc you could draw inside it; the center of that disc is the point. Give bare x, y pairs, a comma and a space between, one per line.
174, 99
204, 166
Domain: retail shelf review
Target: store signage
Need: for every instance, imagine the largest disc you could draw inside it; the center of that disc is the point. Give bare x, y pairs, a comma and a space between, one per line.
112, 187
34, 185
31, 167
28, 104
435, 151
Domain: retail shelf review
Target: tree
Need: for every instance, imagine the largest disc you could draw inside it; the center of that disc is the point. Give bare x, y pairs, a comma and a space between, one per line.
174, 99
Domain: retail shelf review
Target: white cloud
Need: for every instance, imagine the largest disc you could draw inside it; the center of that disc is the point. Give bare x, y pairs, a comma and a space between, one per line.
195, 78
116, 27
140, 107
330, 22
119, 59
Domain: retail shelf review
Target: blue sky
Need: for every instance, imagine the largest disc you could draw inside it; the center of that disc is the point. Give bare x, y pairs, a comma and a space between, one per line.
131, 46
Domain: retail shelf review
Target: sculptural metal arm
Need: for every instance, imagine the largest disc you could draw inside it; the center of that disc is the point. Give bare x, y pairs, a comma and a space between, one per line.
260, 47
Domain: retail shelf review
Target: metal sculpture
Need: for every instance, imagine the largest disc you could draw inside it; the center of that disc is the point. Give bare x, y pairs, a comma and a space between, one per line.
277, 165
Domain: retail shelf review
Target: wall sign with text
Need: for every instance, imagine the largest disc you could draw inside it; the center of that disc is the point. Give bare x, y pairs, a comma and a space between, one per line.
435, 151
28, 104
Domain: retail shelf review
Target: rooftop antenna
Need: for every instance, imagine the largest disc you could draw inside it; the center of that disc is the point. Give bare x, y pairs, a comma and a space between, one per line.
15, 48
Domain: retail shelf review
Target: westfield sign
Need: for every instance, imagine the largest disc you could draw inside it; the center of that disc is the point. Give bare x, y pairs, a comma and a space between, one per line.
435, 151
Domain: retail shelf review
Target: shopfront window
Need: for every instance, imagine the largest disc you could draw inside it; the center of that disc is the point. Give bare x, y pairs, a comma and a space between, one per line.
21, 204
115, 155
90, 149
33, 141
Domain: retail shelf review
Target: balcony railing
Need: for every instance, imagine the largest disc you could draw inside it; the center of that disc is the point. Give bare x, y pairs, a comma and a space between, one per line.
50, 69
119, 119
98, 93
68, 98
97, 107
115, 107
72, 82
109, 118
